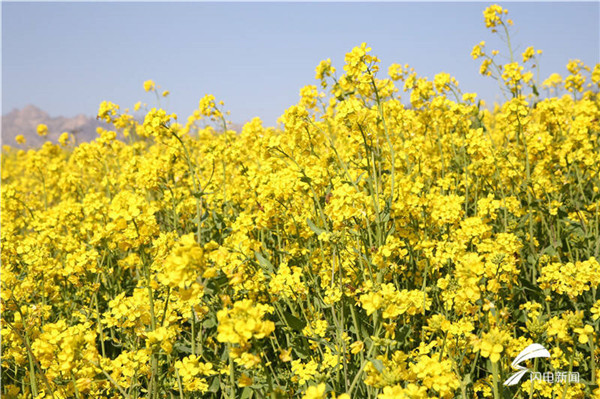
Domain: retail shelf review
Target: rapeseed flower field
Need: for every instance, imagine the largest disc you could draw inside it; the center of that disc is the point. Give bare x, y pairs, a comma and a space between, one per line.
393, 238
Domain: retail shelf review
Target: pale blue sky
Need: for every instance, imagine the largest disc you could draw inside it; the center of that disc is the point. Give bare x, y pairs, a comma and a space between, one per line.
68, 57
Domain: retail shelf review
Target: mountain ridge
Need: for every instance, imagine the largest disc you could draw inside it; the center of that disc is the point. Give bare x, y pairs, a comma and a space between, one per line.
25, 120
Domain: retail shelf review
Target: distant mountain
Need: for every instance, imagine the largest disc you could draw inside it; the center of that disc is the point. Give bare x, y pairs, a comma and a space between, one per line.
25, 121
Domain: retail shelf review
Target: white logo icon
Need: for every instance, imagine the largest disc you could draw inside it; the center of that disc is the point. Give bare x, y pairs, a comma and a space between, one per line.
531, 352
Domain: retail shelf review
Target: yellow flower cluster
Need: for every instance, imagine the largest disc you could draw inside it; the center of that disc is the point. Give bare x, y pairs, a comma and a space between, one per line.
493, 15
572, 279
244, 322
190, 368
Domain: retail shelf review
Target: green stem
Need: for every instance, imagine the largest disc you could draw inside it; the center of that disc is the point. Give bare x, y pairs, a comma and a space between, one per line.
496, 386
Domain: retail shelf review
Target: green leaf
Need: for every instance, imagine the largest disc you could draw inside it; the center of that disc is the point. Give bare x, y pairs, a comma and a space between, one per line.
265, 263
215, 386
183, 348
247, 393
313, 227
301, 350
378, 364
294, 322
550, 251
209, 323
